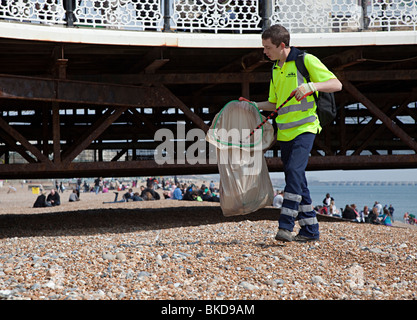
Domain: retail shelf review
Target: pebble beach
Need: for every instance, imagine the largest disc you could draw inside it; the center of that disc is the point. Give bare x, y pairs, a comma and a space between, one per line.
183, 250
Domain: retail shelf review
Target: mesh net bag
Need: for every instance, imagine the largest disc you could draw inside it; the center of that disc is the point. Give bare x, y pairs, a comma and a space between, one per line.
245, 185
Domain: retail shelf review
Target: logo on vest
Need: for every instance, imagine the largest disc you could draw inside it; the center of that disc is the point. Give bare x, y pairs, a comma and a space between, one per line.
291, 75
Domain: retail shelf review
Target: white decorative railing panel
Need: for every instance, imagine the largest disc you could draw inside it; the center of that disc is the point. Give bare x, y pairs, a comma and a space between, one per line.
214, 16
33, 11
389, 15
120, 14
218, 16
315, 16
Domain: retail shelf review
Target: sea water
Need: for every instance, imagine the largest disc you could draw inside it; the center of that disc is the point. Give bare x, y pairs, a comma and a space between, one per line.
402, 197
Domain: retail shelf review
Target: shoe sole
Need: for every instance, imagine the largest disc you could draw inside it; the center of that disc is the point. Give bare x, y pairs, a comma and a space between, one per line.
283, 239
305, 239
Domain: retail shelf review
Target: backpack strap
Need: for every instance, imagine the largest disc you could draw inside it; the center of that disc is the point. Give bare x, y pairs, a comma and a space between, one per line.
301, 67
299, 62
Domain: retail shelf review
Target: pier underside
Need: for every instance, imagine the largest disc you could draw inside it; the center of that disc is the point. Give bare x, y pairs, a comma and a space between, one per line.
79, 110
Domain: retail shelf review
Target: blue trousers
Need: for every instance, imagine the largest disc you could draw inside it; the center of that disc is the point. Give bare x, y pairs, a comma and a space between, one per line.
297, 204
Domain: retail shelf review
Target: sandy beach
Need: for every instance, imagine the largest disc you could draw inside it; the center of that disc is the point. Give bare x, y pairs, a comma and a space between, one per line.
182, 250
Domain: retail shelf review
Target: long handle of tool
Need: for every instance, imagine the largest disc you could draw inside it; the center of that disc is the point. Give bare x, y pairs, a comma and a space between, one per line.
272, 114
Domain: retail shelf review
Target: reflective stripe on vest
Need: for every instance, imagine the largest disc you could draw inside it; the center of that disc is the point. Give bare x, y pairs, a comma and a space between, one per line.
289, 125
304, 105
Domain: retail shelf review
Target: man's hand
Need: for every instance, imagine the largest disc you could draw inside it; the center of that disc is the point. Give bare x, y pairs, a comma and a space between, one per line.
304, 90
246, 100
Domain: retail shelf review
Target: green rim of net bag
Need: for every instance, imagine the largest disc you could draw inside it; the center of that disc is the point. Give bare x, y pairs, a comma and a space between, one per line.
241, 145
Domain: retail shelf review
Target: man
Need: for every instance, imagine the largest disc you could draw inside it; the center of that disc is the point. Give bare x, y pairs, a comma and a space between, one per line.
152, 193
53, 199
298, 125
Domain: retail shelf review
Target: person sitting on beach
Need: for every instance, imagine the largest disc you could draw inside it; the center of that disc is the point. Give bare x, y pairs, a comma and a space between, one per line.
406, 218
153, 195
177, 193
349, 213
373, 216
11, 189
40, 201
196, 196
391, 211
53, 198
364, 214
188, 195
379, 207
333, 211
386, 217
326, 202
137, 197
73, 196
128, 195
208, 196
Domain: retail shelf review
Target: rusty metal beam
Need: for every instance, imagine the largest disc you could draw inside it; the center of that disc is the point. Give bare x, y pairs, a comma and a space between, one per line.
23, 141
11, 142
365, 132
392, 126
191, 115
379, 130
150, 167
363, 162
29, 88
56, 133
91, 134
179, 78
238, 77
378, 75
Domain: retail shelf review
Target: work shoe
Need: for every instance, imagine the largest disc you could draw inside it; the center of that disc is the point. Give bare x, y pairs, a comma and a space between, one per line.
284, 235
301, 238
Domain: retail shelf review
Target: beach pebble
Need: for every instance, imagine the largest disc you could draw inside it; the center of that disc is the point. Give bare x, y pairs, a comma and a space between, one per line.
247, 285
120, 256
118, 251
108, 256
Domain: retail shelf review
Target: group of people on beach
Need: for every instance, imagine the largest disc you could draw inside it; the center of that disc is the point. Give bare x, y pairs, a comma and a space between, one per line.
170, 189
53, 199
376, 215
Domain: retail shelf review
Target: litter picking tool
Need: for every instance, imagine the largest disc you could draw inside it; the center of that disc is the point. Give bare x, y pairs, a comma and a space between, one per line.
272, 114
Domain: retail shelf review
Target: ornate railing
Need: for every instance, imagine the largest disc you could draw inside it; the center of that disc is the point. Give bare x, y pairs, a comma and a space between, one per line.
216, 16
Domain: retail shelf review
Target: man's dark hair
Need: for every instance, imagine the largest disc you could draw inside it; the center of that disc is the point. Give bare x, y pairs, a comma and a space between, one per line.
277, 34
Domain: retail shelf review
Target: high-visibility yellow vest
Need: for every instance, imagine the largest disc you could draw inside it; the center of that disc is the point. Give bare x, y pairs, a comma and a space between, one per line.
296, 117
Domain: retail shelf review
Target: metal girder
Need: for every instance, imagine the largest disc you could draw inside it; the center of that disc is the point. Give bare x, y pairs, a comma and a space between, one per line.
239, 77
92, 133
391, 125
150, 167
29, 88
